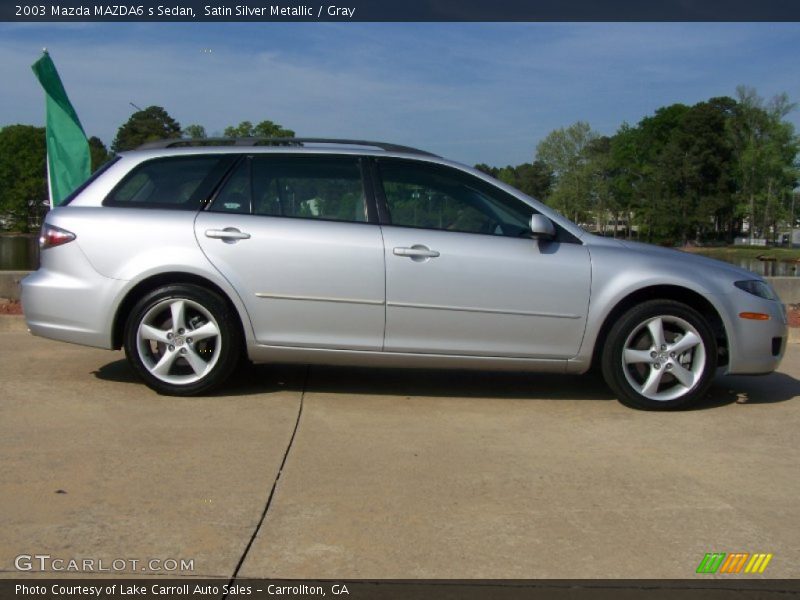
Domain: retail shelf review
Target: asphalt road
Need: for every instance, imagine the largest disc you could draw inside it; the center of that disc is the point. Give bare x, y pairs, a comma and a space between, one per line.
389, 474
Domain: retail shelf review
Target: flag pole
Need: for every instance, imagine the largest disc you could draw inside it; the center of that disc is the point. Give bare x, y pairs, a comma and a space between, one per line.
49, 183
47, 160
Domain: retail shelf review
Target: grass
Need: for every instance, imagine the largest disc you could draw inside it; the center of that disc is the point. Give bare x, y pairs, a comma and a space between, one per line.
729, 253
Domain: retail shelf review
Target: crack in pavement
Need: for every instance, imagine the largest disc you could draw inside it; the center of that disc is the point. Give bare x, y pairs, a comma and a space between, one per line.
274, 483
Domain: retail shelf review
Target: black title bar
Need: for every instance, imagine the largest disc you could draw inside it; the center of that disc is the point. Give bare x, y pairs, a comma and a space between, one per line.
400, 10
473, 589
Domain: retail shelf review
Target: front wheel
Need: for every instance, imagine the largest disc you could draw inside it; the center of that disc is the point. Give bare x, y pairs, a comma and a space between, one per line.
660, 355
183, 340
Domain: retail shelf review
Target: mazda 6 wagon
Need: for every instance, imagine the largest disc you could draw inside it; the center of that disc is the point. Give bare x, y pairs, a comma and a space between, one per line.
194, 256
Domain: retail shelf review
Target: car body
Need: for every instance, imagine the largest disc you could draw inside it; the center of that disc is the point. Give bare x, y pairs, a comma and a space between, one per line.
374, 254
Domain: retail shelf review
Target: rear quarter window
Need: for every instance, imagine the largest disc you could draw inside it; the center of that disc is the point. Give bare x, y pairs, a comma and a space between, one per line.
178, 183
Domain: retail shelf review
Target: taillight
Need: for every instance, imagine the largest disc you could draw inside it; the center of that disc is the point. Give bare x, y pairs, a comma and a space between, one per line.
54, 236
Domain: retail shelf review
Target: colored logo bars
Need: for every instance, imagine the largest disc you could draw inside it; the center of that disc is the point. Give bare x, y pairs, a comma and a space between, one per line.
734, 563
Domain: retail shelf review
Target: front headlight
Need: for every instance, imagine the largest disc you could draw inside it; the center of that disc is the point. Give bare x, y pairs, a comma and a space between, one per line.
757, 288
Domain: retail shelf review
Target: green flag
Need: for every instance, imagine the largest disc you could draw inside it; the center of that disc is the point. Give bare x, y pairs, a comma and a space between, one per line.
68, 159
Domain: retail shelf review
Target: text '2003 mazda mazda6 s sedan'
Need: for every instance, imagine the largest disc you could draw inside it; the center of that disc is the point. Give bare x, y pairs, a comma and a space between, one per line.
192, 257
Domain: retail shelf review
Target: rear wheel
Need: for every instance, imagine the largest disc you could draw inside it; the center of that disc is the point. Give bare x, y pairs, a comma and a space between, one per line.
660, 355
183, 340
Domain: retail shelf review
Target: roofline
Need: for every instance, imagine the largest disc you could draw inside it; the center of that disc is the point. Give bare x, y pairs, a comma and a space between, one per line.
275, 141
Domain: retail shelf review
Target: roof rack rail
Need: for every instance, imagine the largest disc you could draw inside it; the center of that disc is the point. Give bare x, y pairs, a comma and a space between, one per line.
274, 141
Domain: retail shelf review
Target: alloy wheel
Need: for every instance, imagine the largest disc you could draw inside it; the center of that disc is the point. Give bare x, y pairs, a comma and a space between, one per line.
664, 358
178, 341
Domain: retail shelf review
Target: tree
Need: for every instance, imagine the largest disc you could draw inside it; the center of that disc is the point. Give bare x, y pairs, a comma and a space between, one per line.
493, 171
696, 160
626, 162
599, 173
563, 151
653, 203
263, 129
23, 176
764, 153
99, 152
194, 132
685, 172
534, 179
152, 123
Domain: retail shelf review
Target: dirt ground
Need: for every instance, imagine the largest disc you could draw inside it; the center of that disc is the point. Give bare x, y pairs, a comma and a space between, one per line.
793, 312
10, 307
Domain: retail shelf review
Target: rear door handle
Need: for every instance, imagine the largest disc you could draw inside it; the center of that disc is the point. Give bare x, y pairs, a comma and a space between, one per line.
417, 251
229, 234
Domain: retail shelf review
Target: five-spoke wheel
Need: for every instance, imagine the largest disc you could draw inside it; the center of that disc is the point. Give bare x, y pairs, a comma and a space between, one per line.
660, 354
182, 339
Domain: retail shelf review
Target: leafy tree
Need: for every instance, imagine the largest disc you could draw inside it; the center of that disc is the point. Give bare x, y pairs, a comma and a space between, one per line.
194, 132
695, 162
152, 123
599, 172
685, 172
653, 206
23, 176
99, 153
563, 151
626, 162
534, 179
263, 129
493, 171
764, 154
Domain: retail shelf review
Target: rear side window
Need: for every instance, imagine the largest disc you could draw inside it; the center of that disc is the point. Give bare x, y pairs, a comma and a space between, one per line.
180, 183
326, 188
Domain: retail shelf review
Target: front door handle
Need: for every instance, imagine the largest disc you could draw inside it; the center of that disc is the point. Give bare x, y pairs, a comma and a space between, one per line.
229, 234
416, 252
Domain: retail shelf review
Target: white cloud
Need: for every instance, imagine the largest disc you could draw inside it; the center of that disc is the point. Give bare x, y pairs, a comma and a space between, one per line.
475, 92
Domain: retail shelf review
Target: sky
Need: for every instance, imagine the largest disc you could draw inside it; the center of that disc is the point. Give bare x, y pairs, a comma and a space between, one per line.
472, 92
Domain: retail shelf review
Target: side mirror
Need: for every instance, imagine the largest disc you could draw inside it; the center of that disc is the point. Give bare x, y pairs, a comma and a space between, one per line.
542, 228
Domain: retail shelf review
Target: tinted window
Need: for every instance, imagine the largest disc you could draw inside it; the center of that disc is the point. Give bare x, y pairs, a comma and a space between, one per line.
434, 197
327, 188
177, 183
309, 187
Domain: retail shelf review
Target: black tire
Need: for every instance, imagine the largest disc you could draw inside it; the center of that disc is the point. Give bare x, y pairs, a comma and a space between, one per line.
628, 381
201, 308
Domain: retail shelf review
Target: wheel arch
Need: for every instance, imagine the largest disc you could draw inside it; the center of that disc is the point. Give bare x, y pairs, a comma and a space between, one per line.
665, 292
153, 282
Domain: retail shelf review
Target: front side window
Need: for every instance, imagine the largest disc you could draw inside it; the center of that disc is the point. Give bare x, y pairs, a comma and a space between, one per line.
175, 183
435, 197
328, 188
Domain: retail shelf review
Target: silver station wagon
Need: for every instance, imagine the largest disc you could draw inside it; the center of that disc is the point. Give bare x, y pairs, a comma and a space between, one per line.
193, 257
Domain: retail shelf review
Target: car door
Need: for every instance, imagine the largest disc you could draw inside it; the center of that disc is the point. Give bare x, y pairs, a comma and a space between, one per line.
463, 275
293, 235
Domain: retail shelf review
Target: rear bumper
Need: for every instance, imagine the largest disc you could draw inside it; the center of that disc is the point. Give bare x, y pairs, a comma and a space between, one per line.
69, 301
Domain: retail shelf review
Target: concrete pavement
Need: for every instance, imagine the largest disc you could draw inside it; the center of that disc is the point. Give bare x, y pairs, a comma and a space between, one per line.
143, 476
391, 473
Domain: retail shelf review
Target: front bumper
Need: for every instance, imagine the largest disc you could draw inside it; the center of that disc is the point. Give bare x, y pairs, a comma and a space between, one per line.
754, 347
